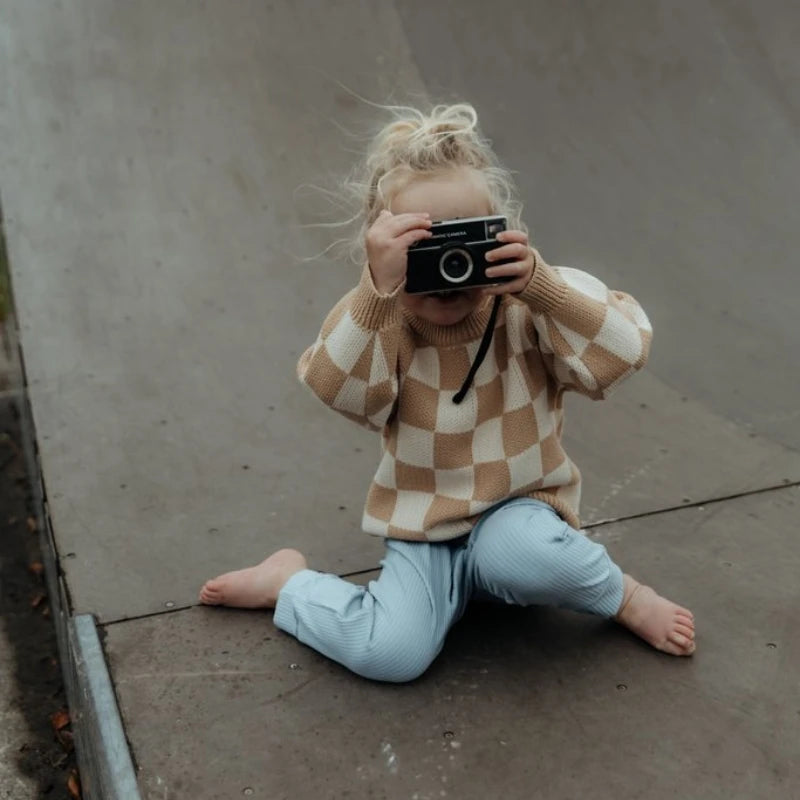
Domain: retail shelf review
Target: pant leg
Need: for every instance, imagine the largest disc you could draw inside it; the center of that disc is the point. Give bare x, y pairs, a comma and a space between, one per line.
525, 554
392, 629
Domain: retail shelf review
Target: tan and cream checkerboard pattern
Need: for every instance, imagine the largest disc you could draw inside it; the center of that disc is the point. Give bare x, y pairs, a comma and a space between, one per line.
444, 464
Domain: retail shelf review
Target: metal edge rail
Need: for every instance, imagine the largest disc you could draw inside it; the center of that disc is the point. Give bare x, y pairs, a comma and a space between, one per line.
106, 760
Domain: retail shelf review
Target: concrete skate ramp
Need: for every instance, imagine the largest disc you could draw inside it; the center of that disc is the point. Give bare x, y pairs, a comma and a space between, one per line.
152, 167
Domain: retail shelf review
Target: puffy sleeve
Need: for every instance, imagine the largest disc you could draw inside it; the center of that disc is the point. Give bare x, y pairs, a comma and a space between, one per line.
592, 338
352, 366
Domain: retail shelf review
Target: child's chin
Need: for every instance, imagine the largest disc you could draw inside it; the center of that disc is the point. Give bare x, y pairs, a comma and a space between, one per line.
448, 309
448, 314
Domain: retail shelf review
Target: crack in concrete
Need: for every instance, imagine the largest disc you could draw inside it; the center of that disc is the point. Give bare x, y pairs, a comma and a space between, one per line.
600, 523
695, 504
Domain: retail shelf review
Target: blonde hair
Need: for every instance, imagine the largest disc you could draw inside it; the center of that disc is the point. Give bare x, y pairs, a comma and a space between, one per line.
415, 143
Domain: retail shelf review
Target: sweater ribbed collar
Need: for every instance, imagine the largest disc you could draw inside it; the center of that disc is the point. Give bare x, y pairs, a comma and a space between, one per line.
469, 329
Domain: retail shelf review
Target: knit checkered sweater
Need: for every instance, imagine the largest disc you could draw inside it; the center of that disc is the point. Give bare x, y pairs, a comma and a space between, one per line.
444, 464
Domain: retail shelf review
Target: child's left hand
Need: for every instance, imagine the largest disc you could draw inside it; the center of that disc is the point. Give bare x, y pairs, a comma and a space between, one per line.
514, 245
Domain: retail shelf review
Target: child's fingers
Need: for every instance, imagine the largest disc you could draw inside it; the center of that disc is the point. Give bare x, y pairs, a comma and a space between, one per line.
520, 268
512, 236
388, 230
413, 236
398, 224
518, 250
518, 271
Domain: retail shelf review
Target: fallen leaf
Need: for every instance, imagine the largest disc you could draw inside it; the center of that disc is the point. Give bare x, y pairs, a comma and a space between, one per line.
46, 611
38, 600
37, 568
32, 526
74, 785
60, 719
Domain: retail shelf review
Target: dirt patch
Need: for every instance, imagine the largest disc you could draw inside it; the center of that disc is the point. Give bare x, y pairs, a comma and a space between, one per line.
39, 752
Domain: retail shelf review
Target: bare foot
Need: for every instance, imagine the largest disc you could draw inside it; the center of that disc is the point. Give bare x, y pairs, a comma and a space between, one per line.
661, 623
254, 587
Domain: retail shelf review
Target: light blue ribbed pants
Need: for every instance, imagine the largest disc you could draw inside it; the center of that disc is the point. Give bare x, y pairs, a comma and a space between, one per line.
521, 552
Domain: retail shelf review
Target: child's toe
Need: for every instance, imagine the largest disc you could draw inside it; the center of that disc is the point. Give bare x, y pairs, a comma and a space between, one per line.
679, 639
679, 645
211, 594
682, 621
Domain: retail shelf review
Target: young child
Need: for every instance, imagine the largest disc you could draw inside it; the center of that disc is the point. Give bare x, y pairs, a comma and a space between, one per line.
474, 497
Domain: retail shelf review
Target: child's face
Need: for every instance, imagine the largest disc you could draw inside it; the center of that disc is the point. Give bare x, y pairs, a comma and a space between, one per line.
444, 195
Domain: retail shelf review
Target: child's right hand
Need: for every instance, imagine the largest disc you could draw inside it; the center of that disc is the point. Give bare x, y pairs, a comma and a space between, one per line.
388, 240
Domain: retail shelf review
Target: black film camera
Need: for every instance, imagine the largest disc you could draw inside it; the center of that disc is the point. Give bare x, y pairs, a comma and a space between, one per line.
454, 256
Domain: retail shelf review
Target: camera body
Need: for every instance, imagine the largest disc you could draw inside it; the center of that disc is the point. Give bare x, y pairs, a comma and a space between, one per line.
454, 257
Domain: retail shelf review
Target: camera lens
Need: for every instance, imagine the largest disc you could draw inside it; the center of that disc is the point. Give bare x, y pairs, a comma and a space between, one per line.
455, 265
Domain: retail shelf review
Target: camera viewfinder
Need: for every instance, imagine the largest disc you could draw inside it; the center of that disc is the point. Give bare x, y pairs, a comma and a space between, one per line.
495, 227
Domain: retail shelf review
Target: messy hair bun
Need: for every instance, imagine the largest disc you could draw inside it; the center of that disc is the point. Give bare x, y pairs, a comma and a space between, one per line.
415, 143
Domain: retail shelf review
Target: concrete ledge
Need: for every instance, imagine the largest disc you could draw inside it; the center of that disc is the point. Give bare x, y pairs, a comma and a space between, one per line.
104, 759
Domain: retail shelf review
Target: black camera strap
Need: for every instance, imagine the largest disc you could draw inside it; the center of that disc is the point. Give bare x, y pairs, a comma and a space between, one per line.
481, 354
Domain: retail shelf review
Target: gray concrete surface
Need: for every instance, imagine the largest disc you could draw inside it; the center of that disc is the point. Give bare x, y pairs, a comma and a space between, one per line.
166, 309
149, 174
521, 703
657, 143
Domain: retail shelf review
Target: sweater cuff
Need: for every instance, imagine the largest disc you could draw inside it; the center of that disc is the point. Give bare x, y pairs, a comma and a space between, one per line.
372, 310
546, 289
